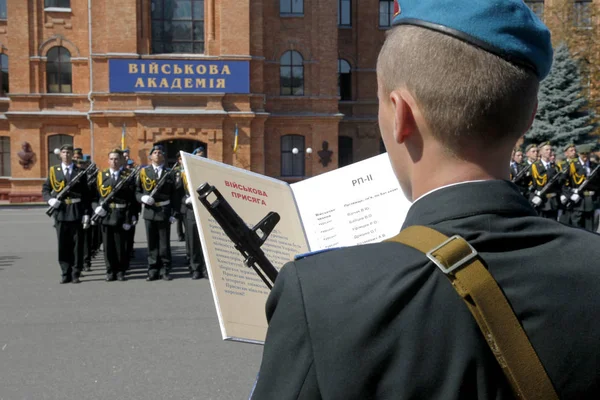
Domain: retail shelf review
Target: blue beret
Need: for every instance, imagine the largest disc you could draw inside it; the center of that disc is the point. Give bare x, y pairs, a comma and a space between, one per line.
157, 147
198, 150
507, 28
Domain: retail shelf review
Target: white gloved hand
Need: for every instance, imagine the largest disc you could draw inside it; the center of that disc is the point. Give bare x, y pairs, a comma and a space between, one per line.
575, 197
172, 220
126, 227
563, 199
133, 220
537, 200
85, 221
54, 203
100, 211
147, 200
188, 200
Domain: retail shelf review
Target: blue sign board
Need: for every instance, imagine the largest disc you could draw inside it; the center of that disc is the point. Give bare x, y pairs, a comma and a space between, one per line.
178, 76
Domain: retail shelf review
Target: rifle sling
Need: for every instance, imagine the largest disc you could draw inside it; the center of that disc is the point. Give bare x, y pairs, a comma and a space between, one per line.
486, 301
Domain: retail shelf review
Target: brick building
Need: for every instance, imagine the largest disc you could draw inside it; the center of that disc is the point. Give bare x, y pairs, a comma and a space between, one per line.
284, 74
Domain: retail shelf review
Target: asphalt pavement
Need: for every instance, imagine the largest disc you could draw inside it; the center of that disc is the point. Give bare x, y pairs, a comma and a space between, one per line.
108, 340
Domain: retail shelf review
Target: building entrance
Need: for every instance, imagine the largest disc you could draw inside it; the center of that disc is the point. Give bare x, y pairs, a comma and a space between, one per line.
172, 147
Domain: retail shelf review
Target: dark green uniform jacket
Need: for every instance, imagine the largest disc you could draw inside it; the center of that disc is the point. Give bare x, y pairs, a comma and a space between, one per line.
380, 321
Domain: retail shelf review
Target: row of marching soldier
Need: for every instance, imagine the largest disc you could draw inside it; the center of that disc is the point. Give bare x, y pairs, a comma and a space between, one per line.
560, 187
94, 206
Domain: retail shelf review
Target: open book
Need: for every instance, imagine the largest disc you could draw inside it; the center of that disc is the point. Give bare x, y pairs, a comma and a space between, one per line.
358, 204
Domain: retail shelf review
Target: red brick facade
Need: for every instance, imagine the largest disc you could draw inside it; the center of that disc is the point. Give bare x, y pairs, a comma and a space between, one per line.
234, 30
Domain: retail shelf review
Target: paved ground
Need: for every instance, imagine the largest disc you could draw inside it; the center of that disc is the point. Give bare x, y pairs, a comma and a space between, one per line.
100, 340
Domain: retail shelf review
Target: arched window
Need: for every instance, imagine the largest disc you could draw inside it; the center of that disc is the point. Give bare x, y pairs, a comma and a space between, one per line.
56, 142
344, 151
58, 70
178, 26
292, 164
3, 75
344, 80
291, 73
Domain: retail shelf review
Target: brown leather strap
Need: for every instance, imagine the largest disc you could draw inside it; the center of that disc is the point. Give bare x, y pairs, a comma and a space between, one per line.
494, 315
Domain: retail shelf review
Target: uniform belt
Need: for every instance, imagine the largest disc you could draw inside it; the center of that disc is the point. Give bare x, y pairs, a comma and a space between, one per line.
550, 195
117, 205
589, 193
72, 201
163, 203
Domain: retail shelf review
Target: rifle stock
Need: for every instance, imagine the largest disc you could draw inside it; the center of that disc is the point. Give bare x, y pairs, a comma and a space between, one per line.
247, 241
584, 185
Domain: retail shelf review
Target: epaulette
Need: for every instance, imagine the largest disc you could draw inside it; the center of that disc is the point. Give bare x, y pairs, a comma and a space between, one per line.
312, 253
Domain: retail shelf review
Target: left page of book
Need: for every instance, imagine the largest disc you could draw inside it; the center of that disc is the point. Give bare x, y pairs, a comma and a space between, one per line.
239, 293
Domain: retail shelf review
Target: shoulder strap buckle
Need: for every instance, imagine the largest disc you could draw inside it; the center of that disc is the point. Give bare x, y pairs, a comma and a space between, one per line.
444, 255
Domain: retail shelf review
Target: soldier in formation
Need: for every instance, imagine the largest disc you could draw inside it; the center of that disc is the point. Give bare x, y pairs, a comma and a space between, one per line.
564, 190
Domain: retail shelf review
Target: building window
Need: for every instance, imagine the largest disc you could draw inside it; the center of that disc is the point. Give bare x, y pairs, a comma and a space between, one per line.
344, 80
2, 9
292, 162
56, 142
291, 7
345, 12
4, 156
344, 151
291, 73
3, 75
582, 13
178, 26
58, 70
537, 6
57, 3
386, 13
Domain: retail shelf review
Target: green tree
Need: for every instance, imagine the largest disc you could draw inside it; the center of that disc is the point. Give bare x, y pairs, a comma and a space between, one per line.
563, 115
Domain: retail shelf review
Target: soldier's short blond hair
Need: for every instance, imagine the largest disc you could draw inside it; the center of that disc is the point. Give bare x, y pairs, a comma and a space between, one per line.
467, 95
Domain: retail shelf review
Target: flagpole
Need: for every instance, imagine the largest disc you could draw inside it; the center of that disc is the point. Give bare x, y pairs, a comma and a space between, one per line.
123, 131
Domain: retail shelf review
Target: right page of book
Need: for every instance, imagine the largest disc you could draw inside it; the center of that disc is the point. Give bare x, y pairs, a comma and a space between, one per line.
357, 204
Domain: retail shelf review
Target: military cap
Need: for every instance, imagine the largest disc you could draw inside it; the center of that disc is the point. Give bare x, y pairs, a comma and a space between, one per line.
198, 150
157, 147
530, 146
78, 150
506, 28
126, 150
568, 146
117, 151
66, 147
130, 162
544, 144
585, 148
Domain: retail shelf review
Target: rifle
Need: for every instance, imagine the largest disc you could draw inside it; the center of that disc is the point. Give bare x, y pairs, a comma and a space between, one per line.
522, 173
247, 241
114, 192
583, 185
548, 186
162, 180
63, 193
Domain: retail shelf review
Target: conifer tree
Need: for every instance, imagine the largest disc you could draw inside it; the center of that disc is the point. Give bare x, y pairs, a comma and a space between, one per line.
563, 116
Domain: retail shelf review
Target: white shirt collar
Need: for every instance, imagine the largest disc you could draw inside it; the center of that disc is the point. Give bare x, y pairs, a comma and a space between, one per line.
447, 186
66, 166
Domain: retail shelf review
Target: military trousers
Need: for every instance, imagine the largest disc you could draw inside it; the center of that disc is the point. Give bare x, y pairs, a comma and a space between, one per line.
158, 234
115, 249
193, 246
70, 235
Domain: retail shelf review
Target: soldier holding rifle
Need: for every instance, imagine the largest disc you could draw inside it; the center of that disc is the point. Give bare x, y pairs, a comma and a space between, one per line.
520, 172
583, 185
156, 191
116, 189
67, 194
546, 191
